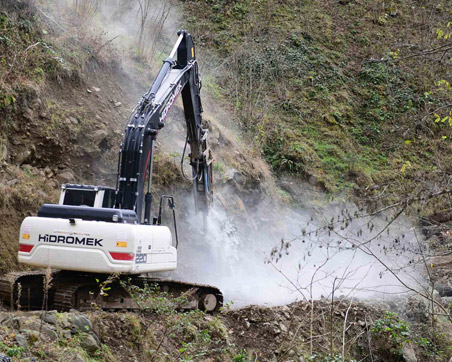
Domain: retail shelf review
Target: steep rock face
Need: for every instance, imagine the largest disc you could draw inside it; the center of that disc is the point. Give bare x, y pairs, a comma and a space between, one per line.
45, 131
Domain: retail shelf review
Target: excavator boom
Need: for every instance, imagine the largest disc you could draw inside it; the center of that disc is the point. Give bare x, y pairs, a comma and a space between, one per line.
135, 166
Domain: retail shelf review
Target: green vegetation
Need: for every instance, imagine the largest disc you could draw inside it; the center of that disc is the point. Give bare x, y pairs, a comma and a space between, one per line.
392, 332
196, 334
241, 357
325, 90
11, 350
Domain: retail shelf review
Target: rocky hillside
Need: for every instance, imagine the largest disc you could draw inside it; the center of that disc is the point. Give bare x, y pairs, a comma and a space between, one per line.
352, 96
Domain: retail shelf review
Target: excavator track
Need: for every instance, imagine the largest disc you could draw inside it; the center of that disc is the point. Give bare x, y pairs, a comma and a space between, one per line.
85, 291
24, 290
64, 298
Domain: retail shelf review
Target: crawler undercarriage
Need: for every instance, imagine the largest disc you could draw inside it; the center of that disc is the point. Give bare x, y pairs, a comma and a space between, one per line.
64, 290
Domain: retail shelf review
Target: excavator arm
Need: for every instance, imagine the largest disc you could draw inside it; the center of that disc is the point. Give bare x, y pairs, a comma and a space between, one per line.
136, 155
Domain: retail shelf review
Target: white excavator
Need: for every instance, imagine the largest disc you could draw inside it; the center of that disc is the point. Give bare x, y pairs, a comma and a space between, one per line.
98, 234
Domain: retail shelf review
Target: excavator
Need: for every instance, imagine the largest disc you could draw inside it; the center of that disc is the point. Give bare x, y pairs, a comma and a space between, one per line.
98, 236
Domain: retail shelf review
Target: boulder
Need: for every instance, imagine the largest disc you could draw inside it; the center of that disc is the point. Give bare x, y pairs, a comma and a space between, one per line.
50, 317
22, 341
79, 358
81, 324
48, 334
11, 322
65, 177
230, 174
48, 172
408, 353
66, 333
98, 136
64, 321
444, 290
44, 115
89, 343
28, 114
286, 311
283, 328
16, 141
247, 324
32, 336
22, 156
45, 331
36, 104
3, 153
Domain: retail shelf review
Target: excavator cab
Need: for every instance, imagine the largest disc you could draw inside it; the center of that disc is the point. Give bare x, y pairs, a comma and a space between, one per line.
87, 195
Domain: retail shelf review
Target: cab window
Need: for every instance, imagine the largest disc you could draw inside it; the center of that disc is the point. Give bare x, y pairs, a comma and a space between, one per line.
79, 197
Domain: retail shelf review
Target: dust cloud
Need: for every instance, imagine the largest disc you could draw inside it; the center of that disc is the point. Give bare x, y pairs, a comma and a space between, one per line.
275, 254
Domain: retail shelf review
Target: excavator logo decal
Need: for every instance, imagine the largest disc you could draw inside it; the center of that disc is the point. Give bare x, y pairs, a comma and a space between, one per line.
71, 240
170, 102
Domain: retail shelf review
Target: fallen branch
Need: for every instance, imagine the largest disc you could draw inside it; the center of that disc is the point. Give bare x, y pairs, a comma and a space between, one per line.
106, 43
